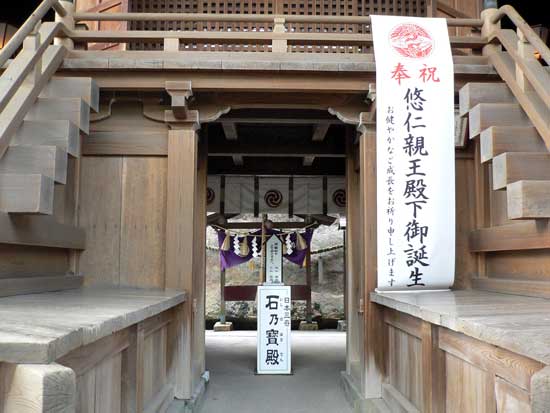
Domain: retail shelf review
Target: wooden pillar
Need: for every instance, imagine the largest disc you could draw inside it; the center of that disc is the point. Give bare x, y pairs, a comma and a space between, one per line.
374, 345
185, 249
309, 309
263, 251
222, 296
354, 272
433, 370
68, 21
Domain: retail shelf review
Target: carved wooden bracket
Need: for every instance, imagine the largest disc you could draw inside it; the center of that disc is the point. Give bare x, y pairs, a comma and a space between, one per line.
180, 92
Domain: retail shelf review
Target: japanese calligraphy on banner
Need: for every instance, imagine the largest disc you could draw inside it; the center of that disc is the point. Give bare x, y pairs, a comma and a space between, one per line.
274, 260
414, 153
273, 349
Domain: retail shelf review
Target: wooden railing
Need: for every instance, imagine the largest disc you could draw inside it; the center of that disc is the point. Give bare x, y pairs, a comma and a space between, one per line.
513, 54
25, 76
279, 36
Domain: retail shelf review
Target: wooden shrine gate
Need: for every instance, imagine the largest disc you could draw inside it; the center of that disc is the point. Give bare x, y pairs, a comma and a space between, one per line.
103, 214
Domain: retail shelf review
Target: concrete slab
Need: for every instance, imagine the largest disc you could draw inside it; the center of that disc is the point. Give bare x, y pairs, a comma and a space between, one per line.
317, 359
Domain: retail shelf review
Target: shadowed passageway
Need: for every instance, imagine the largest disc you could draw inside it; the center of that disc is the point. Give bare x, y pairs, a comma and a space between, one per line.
317, 359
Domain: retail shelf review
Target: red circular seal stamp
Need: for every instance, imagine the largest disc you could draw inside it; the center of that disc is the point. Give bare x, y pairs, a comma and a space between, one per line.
412, 41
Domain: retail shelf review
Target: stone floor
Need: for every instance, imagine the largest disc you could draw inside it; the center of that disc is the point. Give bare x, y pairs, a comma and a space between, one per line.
317, 359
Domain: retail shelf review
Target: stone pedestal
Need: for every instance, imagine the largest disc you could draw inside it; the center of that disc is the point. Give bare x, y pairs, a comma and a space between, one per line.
305, 326
227, 326
342, 325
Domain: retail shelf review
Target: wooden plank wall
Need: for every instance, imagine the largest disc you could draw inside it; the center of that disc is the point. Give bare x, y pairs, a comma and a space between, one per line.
130, 370
126, 222
472, 377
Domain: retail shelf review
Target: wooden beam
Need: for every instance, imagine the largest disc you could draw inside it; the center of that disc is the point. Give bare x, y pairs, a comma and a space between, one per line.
258, 225
34, 285
259, 148
121, 143
283, 120
532, 234
42, 231
276, 166
230, 131
319, 132
308, 160
238, 160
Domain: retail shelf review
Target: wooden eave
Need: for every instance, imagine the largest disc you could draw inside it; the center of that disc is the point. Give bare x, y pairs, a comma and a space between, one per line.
245, 72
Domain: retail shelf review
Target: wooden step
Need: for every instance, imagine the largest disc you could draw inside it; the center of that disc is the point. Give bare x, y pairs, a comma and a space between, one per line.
499, 139
44, 160
72, 109
485, 115
29, 194
61, 133
528, 199
529, 288
520, 235
472, 94
73, 87
511, 167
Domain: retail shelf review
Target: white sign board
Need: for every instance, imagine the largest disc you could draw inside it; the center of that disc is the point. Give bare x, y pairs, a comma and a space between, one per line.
273, 349
414, 153
274, 261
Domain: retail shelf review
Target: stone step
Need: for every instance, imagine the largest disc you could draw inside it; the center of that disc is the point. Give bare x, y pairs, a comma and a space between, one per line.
73, 109
511, 167
26, 194
528, 199
500, 139
61, 133
48, 160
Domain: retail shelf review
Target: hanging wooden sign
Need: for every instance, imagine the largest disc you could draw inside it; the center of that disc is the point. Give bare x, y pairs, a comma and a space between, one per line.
414, 153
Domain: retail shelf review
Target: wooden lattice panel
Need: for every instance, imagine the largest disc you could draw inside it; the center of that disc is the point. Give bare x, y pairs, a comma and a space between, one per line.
269, 7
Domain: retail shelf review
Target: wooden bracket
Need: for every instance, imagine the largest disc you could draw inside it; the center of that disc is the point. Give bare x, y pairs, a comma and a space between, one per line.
180, 92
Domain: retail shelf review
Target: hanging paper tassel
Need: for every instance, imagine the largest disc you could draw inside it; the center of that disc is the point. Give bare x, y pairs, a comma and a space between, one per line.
255, 252
301, 243
244, 250
288, 244
236, 245
226, 245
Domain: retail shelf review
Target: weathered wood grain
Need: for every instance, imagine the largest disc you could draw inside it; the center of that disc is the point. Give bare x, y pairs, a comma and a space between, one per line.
528, 199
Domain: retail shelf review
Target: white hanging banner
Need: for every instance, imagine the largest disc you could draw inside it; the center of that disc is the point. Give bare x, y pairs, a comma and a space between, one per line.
274, 260
273, 349
414, 153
